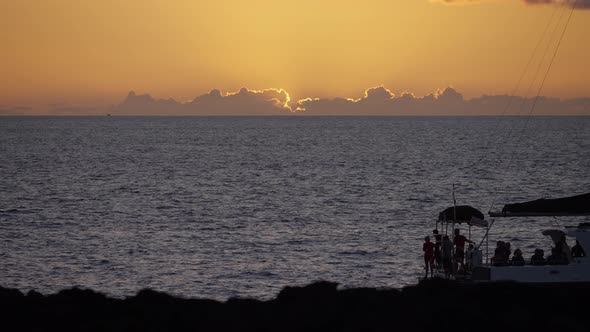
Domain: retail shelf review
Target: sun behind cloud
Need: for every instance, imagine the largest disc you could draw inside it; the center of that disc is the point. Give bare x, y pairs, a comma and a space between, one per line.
374, 101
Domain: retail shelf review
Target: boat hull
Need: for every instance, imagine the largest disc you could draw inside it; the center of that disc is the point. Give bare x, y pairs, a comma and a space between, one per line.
572, 273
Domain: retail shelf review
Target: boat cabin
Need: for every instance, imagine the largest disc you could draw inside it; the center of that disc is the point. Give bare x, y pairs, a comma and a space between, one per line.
573, 270
567, 268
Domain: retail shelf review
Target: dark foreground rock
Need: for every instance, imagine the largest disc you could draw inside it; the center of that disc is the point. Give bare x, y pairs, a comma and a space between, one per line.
435, 305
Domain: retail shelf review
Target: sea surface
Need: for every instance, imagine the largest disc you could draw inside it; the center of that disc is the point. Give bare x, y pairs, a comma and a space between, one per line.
220, 207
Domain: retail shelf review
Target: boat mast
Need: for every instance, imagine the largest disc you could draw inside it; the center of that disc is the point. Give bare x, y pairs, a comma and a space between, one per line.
454, 213
453, 259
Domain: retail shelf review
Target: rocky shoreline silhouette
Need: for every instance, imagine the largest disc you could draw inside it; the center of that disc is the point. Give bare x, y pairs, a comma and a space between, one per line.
432, 305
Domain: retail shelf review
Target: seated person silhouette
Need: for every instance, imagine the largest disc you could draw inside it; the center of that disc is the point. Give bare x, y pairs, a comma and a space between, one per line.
577, 250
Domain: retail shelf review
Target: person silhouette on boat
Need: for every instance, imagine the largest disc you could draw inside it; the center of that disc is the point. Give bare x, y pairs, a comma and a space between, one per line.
437, 244
446, 254
501, 254
557, 257
538, 257
469, 257
564, 252
577, 250
428, 248
460, 247
507, 251
517, 258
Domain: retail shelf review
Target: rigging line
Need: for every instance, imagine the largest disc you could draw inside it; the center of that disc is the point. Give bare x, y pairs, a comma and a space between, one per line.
519, 141
501, 139
552, 58
512, 131
549, 23
517, 86
549, 42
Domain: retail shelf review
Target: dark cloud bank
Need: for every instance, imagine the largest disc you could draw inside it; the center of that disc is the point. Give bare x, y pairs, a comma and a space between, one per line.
579, 4
375, 101
243, 102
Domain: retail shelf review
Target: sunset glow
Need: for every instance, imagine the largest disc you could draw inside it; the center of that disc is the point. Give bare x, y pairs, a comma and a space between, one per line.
63, 53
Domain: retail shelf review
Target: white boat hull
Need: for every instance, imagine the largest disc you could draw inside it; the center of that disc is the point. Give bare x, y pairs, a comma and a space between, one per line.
578, 271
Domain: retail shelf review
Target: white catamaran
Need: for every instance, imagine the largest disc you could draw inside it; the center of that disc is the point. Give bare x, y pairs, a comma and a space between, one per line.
570, 270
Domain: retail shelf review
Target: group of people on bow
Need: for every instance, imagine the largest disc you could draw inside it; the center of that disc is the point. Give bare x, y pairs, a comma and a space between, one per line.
446, 254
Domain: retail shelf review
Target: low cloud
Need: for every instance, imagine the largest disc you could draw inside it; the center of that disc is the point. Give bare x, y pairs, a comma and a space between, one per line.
375, 101
243, 102
380, 101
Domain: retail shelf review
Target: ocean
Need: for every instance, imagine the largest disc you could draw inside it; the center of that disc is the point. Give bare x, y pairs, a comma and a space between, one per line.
222, 207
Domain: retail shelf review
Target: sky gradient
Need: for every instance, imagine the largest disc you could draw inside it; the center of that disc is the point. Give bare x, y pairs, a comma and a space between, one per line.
87, 55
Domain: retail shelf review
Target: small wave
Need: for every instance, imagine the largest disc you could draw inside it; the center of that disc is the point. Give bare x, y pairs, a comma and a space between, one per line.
421, 199
67, 200
365, 266
260, 273
296, 242
355, 252
19, 211
205, 229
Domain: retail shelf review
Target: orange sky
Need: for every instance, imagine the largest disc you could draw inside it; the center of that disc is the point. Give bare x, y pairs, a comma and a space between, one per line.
88, 52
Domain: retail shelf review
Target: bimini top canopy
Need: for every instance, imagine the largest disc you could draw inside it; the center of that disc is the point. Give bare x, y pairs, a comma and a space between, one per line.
465, 213
567, 206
